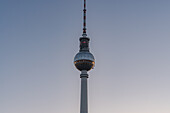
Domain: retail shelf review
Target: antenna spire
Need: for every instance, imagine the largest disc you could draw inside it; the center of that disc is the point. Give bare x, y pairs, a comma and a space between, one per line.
84, 20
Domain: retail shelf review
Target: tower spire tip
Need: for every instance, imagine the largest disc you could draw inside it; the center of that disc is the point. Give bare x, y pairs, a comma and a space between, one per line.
84, 20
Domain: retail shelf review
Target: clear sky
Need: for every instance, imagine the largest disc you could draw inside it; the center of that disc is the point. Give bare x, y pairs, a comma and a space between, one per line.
130, 40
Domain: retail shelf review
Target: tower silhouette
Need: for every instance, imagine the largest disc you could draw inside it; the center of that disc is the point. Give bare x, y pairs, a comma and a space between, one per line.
84, 61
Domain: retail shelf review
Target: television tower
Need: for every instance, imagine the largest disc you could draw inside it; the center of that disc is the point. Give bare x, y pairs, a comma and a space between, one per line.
84, 61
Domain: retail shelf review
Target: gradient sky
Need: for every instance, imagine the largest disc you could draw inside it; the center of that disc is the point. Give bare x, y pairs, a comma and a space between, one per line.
130, 40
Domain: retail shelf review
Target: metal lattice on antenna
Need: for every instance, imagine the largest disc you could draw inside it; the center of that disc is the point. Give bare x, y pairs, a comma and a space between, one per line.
84, 20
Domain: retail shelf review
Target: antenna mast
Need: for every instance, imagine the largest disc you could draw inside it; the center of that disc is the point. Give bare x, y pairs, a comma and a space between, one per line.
84, 20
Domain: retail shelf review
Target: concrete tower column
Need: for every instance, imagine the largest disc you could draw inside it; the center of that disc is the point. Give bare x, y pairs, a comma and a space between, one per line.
84, 93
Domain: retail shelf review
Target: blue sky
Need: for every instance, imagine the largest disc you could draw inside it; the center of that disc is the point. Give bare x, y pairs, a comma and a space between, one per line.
130, 42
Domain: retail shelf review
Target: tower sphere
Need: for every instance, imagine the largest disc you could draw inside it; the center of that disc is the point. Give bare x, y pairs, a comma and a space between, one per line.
84, 61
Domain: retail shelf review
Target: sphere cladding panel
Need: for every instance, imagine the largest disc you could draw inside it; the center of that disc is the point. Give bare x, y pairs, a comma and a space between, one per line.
84, 56
84, 61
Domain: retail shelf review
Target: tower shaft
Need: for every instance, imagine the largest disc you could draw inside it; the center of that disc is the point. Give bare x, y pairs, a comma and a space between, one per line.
84, 93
